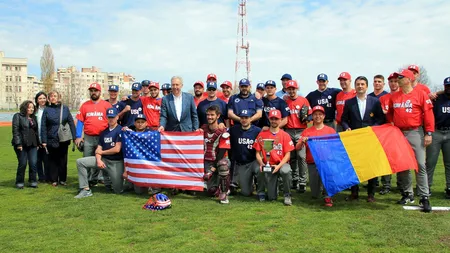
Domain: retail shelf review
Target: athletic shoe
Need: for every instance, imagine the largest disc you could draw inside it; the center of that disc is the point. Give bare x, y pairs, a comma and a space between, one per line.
447, 193
19, 186
262, 198
370, 199
406, 198
63, 183
328, 202
385, 191
34, 185
93, 183
234, 185
83, 194
301, 189
425, 204
288, 201
54, 184
224, 200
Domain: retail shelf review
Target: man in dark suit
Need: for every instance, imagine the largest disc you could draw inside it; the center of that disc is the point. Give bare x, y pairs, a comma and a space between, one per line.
178, 110
362, 111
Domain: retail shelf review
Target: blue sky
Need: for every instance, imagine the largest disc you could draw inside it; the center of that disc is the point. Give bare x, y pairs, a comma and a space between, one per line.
158, 39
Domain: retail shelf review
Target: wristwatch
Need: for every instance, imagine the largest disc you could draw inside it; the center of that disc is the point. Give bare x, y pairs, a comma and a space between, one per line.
429, 133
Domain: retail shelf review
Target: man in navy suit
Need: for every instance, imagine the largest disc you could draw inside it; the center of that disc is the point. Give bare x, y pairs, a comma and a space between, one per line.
362, 111
178, 110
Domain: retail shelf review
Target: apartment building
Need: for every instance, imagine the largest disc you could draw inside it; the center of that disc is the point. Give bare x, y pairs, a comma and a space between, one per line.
14, 87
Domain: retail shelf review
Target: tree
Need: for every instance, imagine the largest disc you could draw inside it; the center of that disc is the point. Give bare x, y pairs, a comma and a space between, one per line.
423, 76
47, 68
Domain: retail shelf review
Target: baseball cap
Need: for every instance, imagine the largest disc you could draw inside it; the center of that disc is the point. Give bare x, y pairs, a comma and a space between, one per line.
211, 85
146, 83
345, 75
274, 114
414, 67
95, 86
113, 88
154, 84
406, 73
318, 108
322, 76
271, 83
136, 86
166, 86
292, 83
111, 112
392, 75
244, 113
212, 75
140, 116
286, 76
226, 83
260, 86
200, 83
447, 81
244, 82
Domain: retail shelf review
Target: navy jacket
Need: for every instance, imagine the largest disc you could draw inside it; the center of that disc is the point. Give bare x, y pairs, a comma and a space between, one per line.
373, 115
50, 124
188, 121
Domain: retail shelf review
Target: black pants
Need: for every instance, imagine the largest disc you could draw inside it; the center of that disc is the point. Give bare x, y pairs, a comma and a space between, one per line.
371, 185
27, 155
43, 169
57, 161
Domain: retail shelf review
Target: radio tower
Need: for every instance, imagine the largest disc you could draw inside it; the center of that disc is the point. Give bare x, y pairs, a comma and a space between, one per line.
242, 68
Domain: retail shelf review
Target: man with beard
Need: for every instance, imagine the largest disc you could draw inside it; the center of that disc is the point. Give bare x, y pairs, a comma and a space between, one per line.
410, 109
345, 80
244, 101
145, 88
91, 120
113, 91
217, 142
212, 99
130, 108
378, 87
441, 137
227, 88
199, 92
166, 89
152, 106
272, 102
279, 145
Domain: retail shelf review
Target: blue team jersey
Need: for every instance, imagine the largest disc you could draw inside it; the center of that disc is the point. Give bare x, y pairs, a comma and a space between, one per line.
242, 143
326, 99
379, 95
250, 103
203, 105
441, 109
129, 117
278, 104
108, 139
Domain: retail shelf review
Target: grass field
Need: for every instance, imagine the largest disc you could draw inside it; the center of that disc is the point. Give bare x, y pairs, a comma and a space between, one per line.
50, 219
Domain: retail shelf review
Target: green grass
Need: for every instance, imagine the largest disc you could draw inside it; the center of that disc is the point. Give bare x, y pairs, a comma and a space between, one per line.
50, 219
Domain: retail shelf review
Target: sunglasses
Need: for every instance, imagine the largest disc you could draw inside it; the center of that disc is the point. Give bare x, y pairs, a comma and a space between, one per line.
211, 90
400, 77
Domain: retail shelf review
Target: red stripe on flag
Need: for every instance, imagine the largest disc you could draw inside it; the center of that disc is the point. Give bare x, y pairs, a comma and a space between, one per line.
171, 169
183, 142
167, 177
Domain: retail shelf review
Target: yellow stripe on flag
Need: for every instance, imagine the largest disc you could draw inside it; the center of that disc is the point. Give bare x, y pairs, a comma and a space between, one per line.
365, 153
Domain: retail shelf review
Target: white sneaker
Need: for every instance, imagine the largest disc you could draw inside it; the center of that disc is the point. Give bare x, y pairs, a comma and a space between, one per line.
288, 201
225, 201
83, 194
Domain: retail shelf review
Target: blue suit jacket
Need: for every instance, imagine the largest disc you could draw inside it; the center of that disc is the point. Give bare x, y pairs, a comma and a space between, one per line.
351, 118
188, 121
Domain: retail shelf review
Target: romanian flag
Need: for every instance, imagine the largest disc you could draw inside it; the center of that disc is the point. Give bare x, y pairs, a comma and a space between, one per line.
349, 158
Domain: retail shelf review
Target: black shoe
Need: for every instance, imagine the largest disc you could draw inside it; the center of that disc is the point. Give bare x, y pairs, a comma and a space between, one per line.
425, 204
294, 185
93, 183
447, 193
385, 191
301, 189
352, 197
407, 198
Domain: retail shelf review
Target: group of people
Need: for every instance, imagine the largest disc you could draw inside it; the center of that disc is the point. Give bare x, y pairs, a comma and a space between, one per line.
253, 141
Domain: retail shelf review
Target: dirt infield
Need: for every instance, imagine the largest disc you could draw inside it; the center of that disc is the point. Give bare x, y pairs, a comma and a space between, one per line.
3, 124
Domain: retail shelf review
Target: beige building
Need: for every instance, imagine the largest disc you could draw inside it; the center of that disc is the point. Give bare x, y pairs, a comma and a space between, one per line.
14, 87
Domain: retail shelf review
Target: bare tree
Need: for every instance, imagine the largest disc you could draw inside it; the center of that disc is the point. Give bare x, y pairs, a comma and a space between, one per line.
47, 68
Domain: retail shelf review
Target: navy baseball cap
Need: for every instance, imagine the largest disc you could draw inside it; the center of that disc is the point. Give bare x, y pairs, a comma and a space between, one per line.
113, 88
136, 86
447, 81
286, 76
166, 86
211, 85
145, 83
111, 112
260, 86
244, 82
244, 113
322, 76
140, 116
270, 83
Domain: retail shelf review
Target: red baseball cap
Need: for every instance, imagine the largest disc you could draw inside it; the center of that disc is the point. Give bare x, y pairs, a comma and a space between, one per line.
406, 73
226, 83
318, 108
292, 84
274, 114
212, 75
345, 75
95, 86
414, 67
154, 84
392, 75
201, 84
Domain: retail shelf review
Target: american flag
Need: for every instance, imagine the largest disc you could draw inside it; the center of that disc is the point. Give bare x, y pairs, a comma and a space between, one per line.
164, 160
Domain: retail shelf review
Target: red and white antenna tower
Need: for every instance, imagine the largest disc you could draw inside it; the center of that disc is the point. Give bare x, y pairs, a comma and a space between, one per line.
242, 68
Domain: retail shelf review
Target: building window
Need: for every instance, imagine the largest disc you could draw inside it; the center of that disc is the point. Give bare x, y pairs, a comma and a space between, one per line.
17, 68
20, 79
20, 88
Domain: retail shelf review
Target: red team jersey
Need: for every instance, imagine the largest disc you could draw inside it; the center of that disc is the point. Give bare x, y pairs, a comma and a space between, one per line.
384, 101
222, 97
312, 131
282, 144
93, 115
152, 110
412, 110
294, 108
341, 97
422, 87
198, 100
215, 140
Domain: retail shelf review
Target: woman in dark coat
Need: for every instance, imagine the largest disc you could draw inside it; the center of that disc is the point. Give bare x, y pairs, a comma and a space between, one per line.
43, 171
25, 142
57, 151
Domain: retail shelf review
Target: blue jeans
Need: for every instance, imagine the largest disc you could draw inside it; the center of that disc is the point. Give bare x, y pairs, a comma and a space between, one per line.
28, 154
